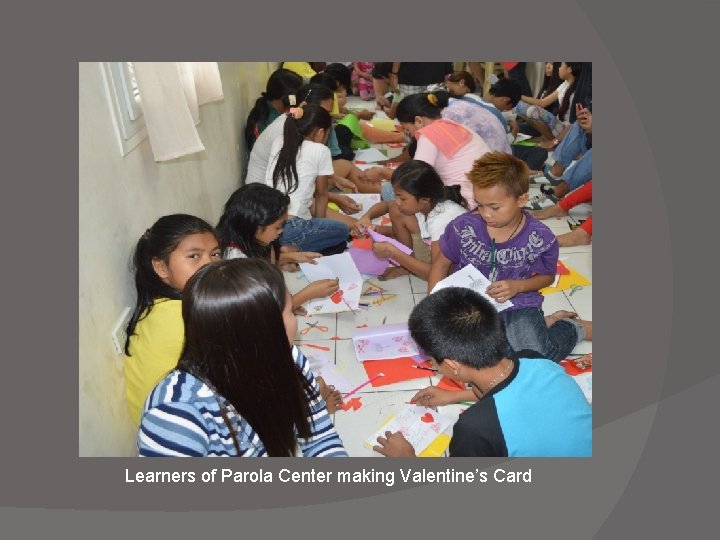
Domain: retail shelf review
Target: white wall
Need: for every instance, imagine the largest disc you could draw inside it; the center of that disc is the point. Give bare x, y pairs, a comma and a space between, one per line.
120, 197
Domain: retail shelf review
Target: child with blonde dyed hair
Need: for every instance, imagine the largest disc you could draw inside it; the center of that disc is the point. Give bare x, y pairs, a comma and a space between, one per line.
515, 251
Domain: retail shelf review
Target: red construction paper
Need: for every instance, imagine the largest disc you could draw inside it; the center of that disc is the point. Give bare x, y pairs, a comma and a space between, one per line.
449, 384
352, 404
561, 269
395, 370
362, 243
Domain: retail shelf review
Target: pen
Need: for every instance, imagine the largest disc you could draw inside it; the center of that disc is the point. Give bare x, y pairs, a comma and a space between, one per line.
424, 368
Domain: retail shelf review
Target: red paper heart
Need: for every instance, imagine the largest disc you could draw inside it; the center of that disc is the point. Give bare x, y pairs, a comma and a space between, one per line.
337, 297
354, 404
427, 418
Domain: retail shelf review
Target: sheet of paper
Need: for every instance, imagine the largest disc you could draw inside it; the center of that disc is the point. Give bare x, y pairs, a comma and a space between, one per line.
370, 155
384, 342
471, 278
395, 370
367, 262
419, 425
339, 266
365, 200
383, 123
322, 365
377, 237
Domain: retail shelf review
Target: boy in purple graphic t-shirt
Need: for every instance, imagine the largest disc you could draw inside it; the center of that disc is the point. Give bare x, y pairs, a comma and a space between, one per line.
516, 252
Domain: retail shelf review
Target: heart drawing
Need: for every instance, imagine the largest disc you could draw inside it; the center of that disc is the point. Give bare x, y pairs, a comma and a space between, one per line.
427, 418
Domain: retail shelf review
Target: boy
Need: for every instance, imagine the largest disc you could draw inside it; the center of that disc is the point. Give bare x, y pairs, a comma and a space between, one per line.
516, 252
525, 408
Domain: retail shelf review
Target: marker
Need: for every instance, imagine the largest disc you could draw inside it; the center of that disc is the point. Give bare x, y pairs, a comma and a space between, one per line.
371, 379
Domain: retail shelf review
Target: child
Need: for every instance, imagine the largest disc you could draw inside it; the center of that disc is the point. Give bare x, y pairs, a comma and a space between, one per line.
281, 85
169, 252
516, 252
300, 166
525, 408
238, 393
553, 128
425, 207
363, 72
250, 227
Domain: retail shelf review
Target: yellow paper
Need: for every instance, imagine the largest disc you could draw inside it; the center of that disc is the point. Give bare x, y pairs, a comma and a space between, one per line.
382, 123
437, 447
567, 281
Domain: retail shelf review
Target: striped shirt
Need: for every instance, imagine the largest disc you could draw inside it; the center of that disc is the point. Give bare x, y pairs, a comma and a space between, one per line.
182, 417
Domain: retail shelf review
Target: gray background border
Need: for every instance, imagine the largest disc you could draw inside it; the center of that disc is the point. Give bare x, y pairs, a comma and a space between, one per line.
656, 379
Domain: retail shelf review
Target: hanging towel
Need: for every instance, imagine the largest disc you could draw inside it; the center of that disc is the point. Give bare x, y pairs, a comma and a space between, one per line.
446, 135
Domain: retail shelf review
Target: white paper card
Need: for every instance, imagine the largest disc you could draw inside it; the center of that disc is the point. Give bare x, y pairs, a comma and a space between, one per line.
471, 278
419, 425
365, 200
370, 155
341, 266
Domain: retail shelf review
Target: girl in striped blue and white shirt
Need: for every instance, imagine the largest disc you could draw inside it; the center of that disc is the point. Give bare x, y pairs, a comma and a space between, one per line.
241, 388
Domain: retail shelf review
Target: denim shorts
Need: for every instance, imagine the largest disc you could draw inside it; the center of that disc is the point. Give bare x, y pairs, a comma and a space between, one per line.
313, 234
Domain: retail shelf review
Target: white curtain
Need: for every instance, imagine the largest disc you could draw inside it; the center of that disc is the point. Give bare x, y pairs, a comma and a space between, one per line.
171, 93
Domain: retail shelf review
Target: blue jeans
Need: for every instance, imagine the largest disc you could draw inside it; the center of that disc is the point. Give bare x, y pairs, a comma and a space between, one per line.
579, 172
313, 234
572, 146
526, 329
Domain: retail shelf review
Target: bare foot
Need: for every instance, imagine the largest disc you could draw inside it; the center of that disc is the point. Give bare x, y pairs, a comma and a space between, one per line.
558, 315
553, 211
393, 272
578, 237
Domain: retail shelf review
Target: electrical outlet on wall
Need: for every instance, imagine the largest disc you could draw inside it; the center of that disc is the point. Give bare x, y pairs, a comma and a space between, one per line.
118, 332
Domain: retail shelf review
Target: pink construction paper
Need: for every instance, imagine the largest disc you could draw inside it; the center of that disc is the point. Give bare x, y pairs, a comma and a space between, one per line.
367, 262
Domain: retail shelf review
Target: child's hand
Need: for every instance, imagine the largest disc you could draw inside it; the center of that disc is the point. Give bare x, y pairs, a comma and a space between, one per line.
332, 397
360, 227
385, 249
323, 288
502, 291
305, 257
394, 445
432, 396
344, 183
375, 174
348, 205
364, 114
584, 118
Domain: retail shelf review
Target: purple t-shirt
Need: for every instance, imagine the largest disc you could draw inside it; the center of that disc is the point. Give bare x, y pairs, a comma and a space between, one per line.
533, 250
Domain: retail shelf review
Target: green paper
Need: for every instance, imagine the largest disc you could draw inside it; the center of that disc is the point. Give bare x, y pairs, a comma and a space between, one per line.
525, 143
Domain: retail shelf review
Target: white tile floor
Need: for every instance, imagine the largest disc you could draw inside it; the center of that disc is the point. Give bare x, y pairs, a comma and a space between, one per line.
334, 338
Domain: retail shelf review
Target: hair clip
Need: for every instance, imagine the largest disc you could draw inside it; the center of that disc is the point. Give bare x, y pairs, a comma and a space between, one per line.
432, 98
146, 234
291, 100
296, 112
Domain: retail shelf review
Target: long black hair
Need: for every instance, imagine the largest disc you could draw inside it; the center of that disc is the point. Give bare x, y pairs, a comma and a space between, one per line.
549, 85
312, 118
250, 207
424, 104
158, 242
583, 90
577, 69
281, 84
420, 179
236, 342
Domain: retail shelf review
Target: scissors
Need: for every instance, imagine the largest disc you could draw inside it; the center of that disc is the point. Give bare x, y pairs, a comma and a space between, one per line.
575, 288
316, 326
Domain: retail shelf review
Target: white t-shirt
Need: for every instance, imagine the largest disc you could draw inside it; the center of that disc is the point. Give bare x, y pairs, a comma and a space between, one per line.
313, 160
260, 153
561, 91
433, 227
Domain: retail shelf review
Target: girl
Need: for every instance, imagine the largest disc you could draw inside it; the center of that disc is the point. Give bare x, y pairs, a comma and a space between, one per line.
238, 393
362, 71
250, 227
279, 94
446, 145
300, 166
169, 252
554, 128
426, 206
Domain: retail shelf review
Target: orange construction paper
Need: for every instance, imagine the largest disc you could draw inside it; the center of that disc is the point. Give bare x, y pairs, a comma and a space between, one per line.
362, 243
449, 384
395, 370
